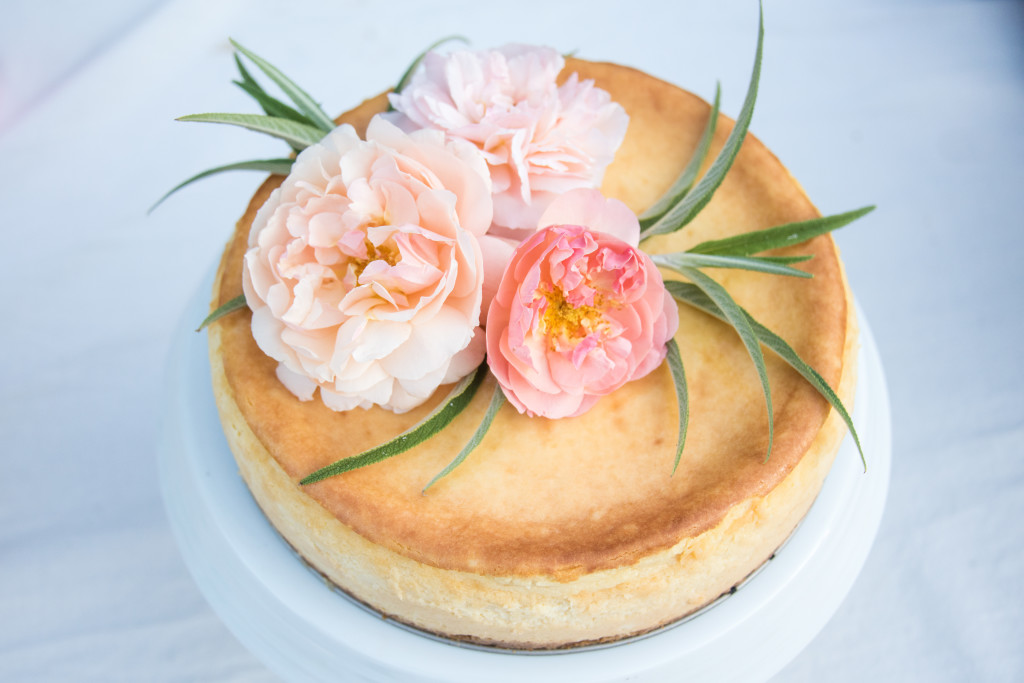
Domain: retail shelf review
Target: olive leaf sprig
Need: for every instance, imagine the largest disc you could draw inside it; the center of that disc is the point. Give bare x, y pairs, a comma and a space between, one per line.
681, 205
299, 126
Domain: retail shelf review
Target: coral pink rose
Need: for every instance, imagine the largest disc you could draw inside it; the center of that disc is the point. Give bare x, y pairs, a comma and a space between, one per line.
540, 139
365, 268
580, 310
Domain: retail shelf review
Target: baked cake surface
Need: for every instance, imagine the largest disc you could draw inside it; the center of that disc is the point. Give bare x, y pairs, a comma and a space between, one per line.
556, 532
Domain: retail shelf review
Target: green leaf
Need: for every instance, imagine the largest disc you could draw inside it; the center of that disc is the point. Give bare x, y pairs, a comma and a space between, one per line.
780, 236
271, 105
244, 73
292, 132
407, 76
230, 306
675, 365
686, 179
251, 86
439, 418
692, 295
736, 316
786, 260
274, 107
684, 212
680, 260
306, 104
497, 401
276, 166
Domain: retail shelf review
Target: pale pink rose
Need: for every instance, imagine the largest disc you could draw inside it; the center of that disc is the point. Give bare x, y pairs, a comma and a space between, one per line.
578, 312
539, 139
365, 269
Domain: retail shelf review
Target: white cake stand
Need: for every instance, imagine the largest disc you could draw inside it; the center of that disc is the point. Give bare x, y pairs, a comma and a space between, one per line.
304, 630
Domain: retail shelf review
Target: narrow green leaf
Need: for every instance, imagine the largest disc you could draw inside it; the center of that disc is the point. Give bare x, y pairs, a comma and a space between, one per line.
692, 295
276, 166
675, 365
292, 132
735, 316
271, 105
686, 179
230, 306
497, 401
248, 83
407, 76
684, 212
244, 73
439, 418
680, 260
780, 236
787, 260
306, 104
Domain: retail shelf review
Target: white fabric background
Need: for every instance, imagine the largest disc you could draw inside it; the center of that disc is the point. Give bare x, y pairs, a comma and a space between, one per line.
914, 106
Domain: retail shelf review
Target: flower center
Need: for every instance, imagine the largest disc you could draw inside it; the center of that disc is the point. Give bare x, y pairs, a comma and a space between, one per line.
386, 253
564, 323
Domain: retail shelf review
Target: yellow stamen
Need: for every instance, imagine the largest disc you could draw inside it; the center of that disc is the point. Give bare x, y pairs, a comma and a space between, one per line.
384, 252
564, 323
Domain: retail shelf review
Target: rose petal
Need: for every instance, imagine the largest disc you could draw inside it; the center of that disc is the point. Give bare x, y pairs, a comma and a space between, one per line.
363, 271
599, 214
539, 138
576, 315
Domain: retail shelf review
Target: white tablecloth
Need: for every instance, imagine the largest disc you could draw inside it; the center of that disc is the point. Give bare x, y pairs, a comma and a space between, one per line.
915, 106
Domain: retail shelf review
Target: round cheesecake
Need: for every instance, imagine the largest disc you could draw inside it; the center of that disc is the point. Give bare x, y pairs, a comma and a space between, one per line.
556, 533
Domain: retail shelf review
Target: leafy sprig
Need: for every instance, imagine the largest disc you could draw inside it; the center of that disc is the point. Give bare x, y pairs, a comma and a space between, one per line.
675, 366
230, 306
274, 166
309, 107
737, 252
270, 104
296, 134
299, 126
692, 295
408, 74
690, 204
684, 183
734, 316
439, 418
683, 260
497, 401
778, 237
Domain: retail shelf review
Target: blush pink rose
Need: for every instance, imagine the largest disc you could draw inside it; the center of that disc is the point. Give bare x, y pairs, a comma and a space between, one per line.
540, 139
580, 310
365, 269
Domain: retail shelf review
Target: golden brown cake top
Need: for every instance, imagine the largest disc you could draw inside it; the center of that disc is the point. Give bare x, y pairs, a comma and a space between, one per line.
565, 497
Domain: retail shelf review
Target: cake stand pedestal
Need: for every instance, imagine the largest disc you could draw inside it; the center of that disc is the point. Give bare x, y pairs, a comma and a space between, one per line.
304, 630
